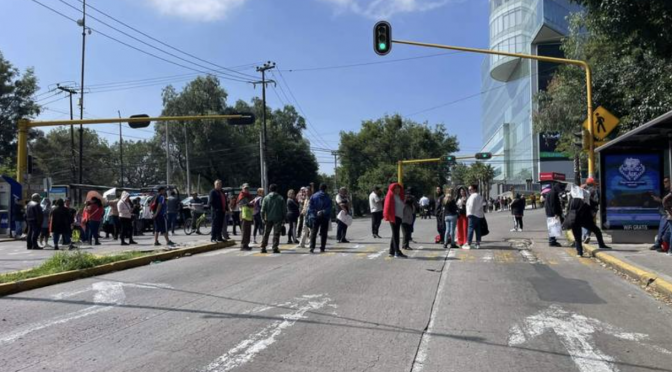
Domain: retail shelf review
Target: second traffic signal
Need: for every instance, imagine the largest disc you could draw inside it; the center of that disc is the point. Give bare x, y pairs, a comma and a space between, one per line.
450, 160
483, 156
382, 38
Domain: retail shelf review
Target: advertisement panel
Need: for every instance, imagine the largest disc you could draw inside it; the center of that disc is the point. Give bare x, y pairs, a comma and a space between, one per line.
548, 143
630, 183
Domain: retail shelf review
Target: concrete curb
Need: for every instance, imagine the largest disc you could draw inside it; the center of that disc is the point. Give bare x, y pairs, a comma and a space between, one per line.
47, 280
647, 278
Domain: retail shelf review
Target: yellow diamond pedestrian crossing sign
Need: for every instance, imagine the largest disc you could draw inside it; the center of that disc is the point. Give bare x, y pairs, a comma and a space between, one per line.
604, 122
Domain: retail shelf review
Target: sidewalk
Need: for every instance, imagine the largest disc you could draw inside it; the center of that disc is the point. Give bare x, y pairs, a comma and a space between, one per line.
651, 268
14, 256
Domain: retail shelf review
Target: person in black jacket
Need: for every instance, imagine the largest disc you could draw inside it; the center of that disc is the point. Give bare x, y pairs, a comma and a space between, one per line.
517, 211
34, 217
553, 208
580, 215
440, 222
292, 217
61, 224
219, 205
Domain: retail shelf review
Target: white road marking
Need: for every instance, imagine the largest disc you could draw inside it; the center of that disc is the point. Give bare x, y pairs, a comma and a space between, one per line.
529, 256
106, 293
489, 256
217, 253
247, 349
421, 357
17, 253
576, 334
373, 256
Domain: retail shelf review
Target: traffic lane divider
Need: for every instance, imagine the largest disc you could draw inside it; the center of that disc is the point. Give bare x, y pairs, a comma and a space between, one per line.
47, 280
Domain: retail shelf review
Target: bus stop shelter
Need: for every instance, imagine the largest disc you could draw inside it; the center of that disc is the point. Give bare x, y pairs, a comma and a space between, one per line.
632, 168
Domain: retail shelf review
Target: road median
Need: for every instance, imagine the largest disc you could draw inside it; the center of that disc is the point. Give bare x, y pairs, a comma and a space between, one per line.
66, 276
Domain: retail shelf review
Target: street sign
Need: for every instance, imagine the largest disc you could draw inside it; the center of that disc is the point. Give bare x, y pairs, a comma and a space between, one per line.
604, 122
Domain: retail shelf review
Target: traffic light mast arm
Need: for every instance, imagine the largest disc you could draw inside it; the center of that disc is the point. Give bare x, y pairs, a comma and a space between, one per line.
583, 64
55, 123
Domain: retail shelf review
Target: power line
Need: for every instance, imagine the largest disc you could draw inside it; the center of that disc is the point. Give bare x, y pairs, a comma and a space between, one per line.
298, 105
248, 76
134, 47
336, 67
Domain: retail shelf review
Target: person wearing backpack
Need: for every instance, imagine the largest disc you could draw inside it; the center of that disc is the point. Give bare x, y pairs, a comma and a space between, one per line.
158, 208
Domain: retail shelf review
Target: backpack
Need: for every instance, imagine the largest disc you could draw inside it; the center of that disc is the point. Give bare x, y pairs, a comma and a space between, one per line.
153, 205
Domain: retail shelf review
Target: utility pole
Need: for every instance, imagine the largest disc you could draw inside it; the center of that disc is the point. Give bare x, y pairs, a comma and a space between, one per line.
186, 150
81, 98
335, 154
121, 151
167, 157
263, 148
73, 162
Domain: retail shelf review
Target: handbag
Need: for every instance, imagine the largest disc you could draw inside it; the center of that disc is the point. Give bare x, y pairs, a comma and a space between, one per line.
554, 227
283, 230
484, 227
345, 218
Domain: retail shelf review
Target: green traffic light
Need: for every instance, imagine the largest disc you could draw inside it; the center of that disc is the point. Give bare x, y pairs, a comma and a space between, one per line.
382, 46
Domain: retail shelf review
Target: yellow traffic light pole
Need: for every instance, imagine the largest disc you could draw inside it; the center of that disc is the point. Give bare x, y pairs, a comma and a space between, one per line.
583, 64
401, 163
25, 125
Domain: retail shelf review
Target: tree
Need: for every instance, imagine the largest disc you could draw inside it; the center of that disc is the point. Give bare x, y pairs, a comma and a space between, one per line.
16, 102
144, 163
369, 157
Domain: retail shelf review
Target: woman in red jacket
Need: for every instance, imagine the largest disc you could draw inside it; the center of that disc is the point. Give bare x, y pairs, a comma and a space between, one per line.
393, 212
93, 214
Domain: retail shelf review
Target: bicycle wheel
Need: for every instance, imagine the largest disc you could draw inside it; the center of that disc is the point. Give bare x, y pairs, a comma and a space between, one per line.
204, 227
187, 227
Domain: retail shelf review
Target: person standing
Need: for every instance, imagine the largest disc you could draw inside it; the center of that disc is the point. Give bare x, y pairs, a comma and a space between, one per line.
667, 206
440, 221
393, 212
196, 209
517, 211
407, 221
258, 222
343, 202
319, 213
475, 216
553, 209
19, 217
664, 225
159, 217
593, 201
138, 224
34, 216
376, 208
424, 207
218, 206
125, 208
245, 204
293, 213
92, 218
533, 201
273, 212
61, 224
462, 221
304, 213
450, 215
235, 215
172, 208
46, 214
301, 199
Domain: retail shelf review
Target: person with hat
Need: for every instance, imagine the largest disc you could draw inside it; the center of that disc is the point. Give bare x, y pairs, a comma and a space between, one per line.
245, 203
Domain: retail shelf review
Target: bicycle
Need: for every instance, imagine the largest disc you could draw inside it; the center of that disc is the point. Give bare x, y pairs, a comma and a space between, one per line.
203, 225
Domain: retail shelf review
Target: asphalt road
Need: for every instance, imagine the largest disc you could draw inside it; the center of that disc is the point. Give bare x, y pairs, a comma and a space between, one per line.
514, 305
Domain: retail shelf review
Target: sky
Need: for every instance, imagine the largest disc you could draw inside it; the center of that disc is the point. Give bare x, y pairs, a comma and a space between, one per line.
314, 44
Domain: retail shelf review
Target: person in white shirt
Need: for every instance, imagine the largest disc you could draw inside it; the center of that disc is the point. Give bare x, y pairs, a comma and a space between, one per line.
475, 215
424, 207
376, 207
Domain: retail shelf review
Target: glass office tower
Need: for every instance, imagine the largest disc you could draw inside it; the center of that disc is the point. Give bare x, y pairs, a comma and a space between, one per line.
509, 85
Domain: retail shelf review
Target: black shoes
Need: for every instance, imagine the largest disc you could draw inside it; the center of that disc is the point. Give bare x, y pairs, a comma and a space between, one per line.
401, 255
555, 244
605, 247
245, 249
124, 243
344, 241
263, 250
132, 242
276, 251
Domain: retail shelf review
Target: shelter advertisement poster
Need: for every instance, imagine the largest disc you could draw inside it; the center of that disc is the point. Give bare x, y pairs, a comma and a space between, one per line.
631, 184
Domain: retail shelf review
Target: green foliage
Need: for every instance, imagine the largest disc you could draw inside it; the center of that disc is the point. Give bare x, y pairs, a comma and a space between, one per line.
369, 157
67, 261
16, 102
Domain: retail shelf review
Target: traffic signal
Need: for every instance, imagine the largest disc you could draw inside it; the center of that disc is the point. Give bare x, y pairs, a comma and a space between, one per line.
139, 124
483, 156
450, 159
30, 164
247, 118
382, 38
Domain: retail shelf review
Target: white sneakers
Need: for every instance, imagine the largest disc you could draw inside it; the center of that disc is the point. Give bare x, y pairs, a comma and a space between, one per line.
466, 246
469, 246
514, 229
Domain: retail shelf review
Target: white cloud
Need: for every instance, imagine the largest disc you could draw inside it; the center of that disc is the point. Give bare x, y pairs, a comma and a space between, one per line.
384, 9
197, 10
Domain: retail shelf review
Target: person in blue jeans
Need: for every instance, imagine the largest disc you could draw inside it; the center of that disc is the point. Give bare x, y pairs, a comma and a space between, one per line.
474, 214
450, 215
61, 224
172, 208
